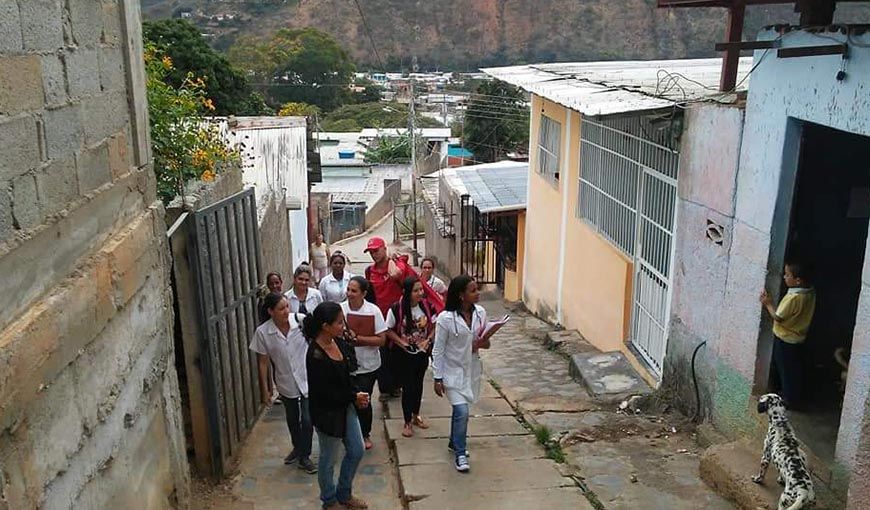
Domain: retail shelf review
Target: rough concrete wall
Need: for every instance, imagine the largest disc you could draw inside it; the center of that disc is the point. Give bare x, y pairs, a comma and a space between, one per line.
710, 150
275, 239
392, 191
89, 404
444, 250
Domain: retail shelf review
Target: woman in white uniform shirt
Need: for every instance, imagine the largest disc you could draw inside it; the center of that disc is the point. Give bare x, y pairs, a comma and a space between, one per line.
367, 333
333, 287
279, 341
303, 298
455, 360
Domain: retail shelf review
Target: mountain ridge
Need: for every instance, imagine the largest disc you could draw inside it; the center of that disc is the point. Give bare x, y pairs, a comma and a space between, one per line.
467, 34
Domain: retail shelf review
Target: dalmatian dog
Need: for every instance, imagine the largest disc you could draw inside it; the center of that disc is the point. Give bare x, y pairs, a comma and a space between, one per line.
782, 447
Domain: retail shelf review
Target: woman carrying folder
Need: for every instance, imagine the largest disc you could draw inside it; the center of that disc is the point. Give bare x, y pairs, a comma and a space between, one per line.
368, 333
461, 330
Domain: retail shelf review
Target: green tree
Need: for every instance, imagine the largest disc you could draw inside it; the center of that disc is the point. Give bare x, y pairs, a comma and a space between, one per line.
298, 110
496, 121
185, 146
191, 55
354, 117
298, 65
371, 93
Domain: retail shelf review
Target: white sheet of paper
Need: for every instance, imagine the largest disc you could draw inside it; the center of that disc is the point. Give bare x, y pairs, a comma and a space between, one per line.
493, 323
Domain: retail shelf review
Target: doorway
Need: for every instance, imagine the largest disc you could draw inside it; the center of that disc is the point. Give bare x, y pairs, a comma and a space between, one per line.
828, 232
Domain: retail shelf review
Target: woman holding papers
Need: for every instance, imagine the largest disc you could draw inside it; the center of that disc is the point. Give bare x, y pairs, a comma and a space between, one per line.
461, 330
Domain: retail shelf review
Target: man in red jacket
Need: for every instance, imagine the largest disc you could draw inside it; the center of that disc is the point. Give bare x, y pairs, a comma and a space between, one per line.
386, 277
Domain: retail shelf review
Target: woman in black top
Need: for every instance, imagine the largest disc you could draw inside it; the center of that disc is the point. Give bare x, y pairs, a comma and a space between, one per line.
333, 401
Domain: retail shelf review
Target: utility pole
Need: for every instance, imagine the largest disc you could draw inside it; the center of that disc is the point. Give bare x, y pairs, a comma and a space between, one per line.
413, 127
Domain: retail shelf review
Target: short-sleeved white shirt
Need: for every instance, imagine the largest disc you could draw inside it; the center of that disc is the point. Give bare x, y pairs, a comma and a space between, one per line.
287, 354
333, 289
312, 299
368, 357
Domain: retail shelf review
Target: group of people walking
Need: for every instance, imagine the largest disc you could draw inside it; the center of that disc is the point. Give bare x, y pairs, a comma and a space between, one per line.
326, 347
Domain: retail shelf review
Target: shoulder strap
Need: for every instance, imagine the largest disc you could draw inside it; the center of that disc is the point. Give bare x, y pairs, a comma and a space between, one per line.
368, 272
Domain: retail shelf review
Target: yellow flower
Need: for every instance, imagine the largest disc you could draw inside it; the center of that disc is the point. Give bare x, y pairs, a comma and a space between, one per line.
207, 176
167, 62
208, 104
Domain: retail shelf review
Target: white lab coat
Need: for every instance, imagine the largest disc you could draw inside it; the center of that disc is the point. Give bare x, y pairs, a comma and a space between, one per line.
452, 360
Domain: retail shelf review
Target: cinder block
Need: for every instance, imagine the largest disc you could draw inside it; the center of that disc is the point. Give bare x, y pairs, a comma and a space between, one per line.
86, 17
54, 80
83, 72
104, 115
112, 69
64, 132
57, 185
10, 27
92, 168
20, 84
42, 24
6, 228
25, 202
119, 154
19, 143
111, 23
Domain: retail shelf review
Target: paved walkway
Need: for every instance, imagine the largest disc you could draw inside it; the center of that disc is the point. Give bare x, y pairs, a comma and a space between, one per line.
647, 462
607, 460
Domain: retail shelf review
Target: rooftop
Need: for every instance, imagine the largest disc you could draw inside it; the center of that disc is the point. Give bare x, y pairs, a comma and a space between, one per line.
607, 88
493, 187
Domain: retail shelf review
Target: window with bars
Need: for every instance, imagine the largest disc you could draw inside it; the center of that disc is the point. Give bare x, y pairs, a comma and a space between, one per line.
613, 156
549, 141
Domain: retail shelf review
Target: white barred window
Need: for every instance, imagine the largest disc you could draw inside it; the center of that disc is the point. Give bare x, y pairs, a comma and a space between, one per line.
548, 148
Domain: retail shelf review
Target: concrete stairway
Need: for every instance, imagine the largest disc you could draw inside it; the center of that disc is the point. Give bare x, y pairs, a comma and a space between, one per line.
606, 376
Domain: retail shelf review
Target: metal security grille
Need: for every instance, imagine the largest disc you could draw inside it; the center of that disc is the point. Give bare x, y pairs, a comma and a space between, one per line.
225, 254
628, 193
548, 148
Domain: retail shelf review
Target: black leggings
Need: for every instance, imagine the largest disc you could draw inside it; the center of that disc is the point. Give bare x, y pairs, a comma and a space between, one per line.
366, 383
412, 370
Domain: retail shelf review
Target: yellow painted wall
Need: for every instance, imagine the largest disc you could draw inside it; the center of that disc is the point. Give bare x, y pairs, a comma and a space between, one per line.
596, 294
521, 252
543, 217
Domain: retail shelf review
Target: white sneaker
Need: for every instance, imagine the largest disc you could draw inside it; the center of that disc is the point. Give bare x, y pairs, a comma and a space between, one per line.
462, 464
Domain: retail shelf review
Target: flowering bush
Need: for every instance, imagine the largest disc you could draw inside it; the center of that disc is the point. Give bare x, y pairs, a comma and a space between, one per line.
185, 145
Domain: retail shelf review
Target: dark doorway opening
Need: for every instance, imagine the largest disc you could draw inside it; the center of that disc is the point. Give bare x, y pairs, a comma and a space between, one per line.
828, 231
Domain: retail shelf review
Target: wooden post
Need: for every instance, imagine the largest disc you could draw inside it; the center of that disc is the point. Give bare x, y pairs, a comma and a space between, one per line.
731, 59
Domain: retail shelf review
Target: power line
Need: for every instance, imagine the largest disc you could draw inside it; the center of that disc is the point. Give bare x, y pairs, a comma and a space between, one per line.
369, 32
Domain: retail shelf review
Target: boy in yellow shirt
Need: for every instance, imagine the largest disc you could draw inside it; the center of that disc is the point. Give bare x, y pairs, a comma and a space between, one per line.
791, 320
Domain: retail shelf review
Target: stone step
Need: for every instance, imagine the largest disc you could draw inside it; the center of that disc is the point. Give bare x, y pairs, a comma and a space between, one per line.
728, 468
570, 342
607, 376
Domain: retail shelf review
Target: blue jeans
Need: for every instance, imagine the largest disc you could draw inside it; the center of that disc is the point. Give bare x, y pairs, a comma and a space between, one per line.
459, 428
788, 362
353, 453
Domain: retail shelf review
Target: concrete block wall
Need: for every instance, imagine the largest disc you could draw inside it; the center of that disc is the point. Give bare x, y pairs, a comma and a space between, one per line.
89, 403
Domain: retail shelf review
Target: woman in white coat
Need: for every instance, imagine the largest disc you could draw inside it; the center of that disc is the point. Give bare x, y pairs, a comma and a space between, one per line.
459, 334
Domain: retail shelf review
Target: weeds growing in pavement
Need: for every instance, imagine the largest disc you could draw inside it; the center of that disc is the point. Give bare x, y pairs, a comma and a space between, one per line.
552, 446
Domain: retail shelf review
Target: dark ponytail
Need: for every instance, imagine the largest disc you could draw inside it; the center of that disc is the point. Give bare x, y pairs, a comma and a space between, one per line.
325, 313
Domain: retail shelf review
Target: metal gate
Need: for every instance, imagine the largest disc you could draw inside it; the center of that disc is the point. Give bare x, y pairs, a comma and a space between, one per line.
346, 219
404, 220
479, 253
628, 192
225, 248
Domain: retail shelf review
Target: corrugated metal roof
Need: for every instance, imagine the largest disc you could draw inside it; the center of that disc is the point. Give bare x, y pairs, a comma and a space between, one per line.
493, 187
607, 88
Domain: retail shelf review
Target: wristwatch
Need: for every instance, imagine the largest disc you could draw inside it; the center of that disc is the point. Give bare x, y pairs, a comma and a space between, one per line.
437, 379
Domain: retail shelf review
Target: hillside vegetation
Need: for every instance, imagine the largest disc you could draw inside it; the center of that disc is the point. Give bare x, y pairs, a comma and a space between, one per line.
466, 34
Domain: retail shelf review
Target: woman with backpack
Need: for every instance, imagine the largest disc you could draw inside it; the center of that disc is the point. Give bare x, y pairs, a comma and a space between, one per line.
411, 330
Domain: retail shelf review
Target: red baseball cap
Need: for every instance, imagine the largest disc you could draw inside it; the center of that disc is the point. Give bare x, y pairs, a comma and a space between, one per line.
375, 243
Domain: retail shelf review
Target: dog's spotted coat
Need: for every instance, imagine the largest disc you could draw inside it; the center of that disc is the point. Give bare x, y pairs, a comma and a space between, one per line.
782, 447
